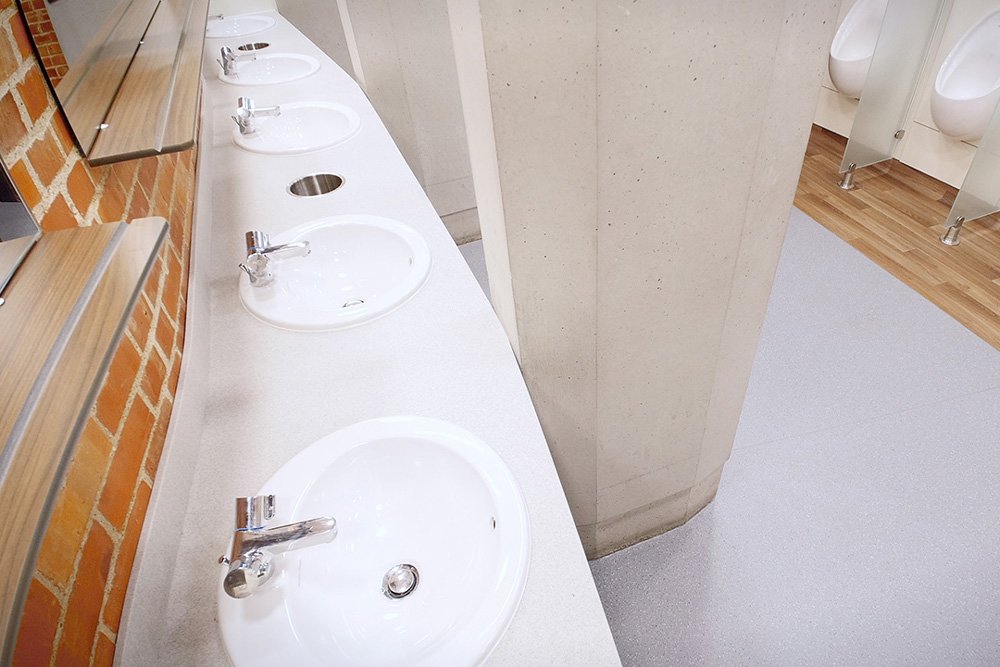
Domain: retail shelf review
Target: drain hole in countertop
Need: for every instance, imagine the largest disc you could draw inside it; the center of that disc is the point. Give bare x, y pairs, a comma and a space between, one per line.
314, 185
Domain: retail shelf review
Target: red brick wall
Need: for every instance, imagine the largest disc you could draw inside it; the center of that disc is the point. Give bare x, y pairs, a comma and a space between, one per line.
51, 52
75, 600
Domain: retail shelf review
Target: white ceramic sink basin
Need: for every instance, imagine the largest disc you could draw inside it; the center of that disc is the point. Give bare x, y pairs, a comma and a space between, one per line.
359, 267
404, 490
301, 127
237, 26
271, 68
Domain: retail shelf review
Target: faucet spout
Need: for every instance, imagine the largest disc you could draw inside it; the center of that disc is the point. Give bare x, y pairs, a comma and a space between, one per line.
299, 247
282, 538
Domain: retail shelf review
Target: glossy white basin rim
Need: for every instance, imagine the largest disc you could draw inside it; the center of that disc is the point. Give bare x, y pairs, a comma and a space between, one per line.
403, 490
300, 128
376, 261
238, 26
271, 68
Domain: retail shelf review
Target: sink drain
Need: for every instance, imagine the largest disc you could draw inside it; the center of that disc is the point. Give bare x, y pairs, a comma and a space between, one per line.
400, 581
352, 302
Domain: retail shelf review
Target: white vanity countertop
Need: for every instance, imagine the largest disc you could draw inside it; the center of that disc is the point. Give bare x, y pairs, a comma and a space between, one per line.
271, 393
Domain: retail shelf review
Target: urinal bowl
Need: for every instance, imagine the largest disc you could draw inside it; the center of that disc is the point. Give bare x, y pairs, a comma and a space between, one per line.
967, 87
854, 44
963, 119
849, 76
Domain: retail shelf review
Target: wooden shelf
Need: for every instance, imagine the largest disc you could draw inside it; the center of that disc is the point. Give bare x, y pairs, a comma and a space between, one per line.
65, 312
89, 87
155, 110
135, 89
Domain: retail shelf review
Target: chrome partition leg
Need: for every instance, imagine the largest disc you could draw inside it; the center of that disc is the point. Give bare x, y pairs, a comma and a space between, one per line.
847, 182
951, 235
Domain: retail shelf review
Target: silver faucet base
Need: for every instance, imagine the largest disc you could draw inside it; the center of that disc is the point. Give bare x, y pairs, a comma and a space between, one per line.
247, 113
258, 262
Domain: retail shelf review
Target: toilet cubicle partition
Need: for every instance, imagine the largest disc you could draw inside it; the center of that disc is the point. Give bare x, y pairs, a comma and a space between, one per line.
980, 193
889, 90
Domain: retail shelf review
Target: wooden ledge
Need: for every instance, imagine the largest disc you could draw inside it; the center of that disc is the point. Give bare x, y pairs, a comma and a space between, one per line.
156, 108
65, 312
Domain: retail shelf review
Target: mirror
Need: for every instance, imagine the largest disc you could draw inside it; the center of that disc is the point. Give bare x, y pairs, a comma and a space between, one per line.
85, 48
126, 73
18, 229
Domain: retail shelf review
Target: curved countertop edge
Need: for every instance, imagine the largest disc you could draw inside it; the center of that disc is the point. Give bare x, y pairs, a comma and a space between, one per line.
443, 354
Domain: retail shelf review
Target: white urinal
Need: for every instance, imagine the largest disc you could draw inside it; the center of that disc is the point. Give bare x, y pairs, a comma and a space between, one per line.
854, 44
967, 86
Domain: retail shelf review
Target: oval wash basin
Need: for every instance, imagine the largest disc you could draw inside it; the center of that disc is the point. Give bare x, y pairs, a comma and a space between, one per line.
271, 68
299, 128
404, 491
238, 26
359, 267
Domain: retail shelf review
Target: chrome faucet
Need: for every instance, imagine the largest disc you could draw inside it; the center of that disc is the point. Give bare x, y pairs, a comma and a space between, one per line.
249, 567
230, 58
258, 261
247, 112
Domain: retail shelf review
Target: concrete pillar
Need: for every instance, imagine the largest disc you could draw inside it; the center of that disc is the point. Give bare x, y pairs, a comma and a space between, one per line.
635, 164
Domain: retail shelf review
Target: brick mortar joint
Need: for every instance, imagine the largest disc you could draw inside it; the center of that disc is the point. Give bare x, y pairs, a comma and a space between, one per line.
61, 597
103, 629
9, 85
117, 538
70, 586
59, 186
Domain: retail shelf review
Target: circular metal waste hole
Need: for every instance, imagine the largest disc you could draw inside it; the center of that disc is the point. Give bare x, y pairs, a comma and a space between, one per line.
400, 581
315, 184
352, 302
254, 46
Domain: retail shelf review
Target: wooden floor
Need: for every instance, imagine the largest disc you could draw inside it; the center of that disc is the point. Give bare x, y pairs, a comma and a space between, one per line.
895, 217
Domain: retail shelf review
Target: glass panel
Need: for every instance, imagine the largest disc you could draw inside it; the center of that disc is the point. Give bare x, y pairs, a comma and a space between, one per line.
980, 193
899, 56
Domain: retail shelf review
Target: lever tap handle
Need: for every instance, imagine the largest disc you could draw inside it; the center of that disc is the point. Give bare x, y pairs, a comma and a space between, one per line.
256, 242
253, 511
244, 105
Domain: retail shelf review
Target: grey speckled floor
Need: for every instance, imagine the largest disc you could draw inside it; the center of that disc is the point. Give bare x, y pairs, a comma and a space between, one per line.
858, 520
474, 257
